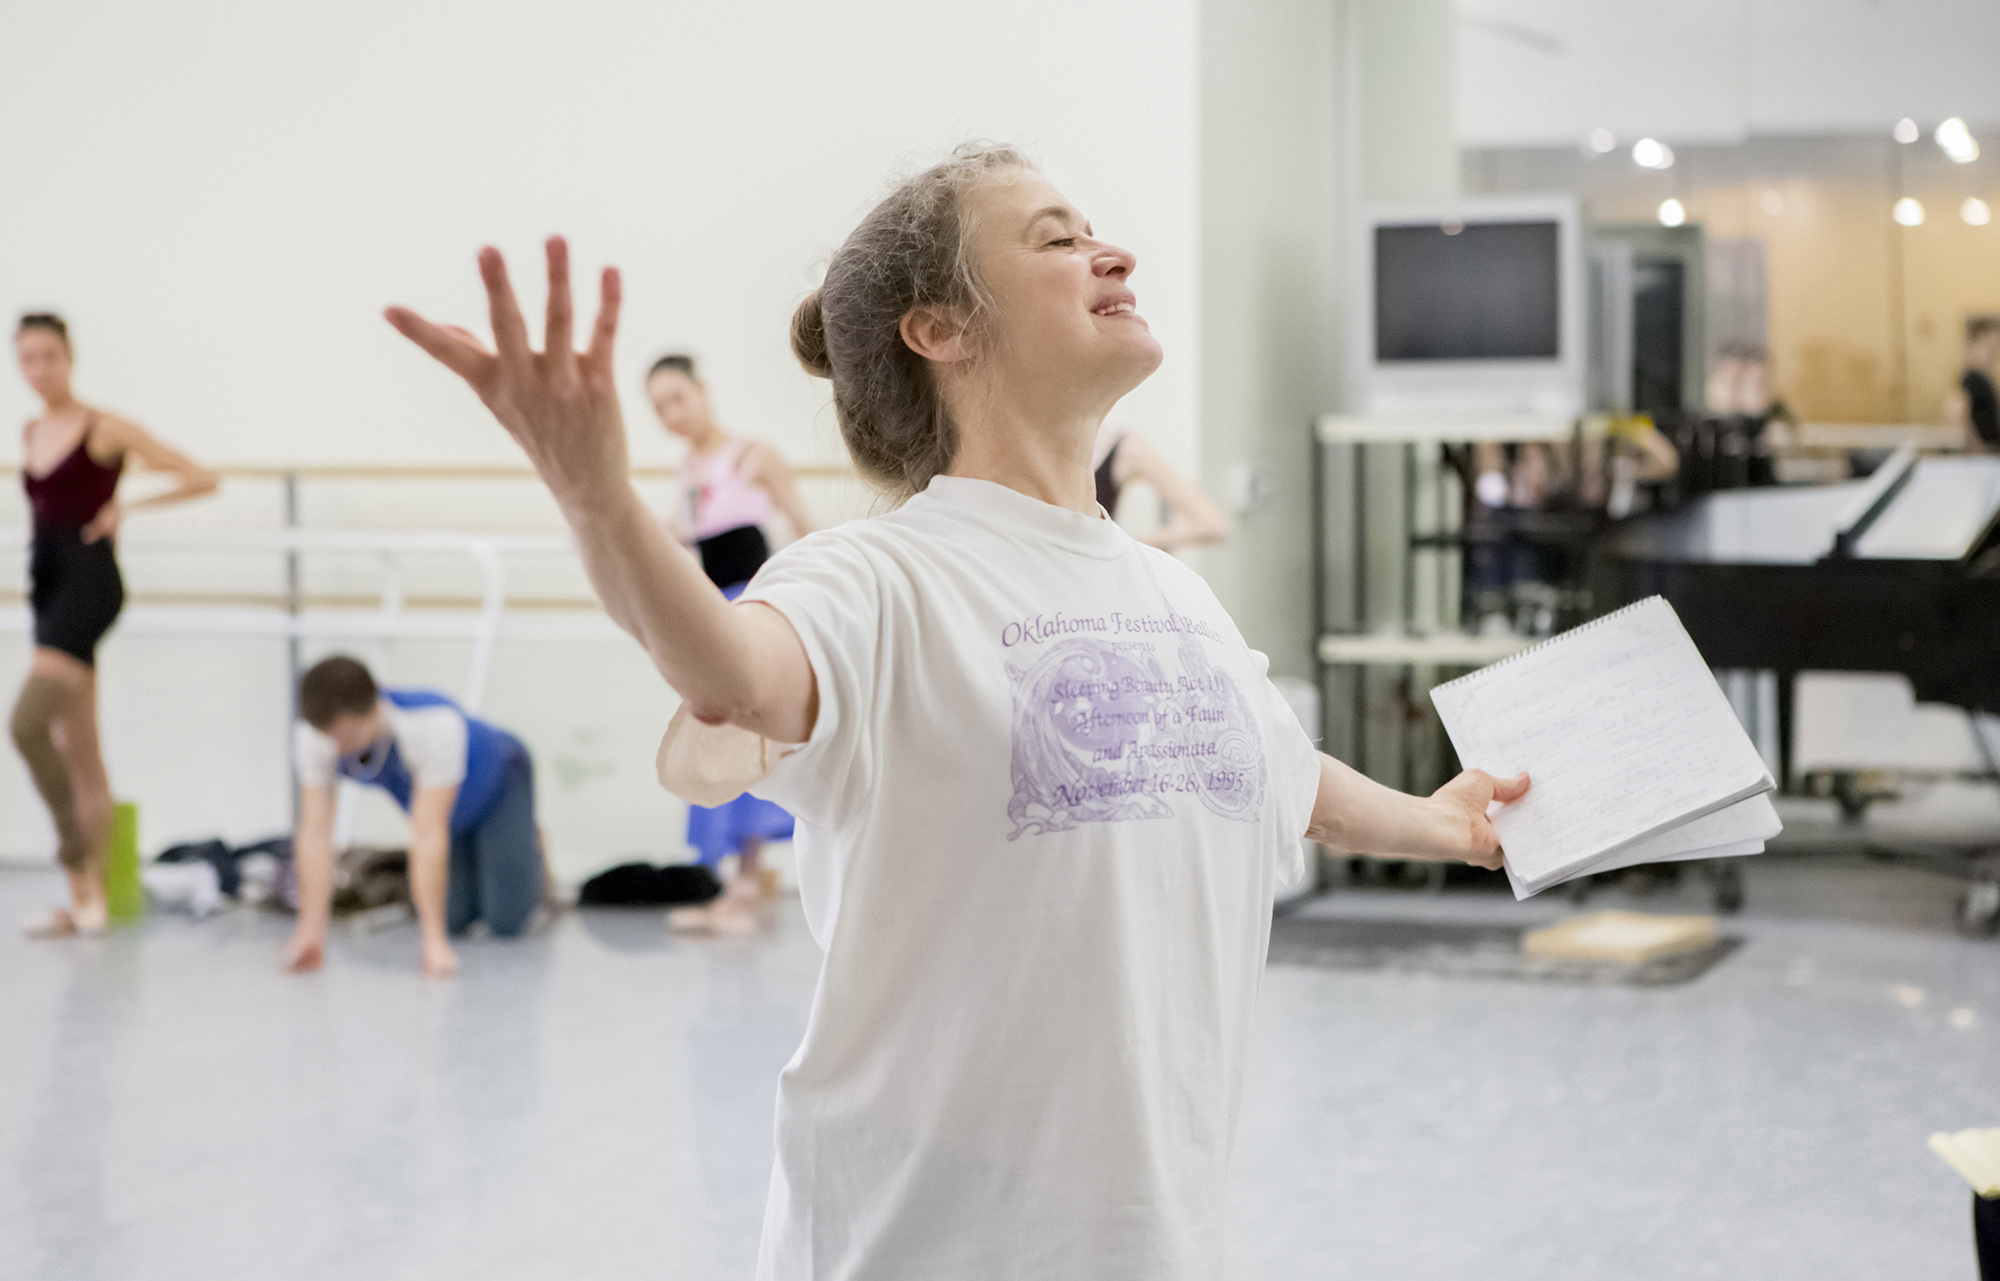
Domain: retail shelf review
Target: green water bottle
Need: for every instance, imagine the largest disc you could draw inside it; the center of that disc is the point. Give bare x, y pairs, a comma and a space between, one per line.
124, 897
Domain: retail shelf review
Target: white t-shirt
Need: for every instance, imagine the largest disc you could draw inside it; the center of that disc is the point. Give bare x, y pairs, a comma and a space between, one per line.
429, 740
1047, 803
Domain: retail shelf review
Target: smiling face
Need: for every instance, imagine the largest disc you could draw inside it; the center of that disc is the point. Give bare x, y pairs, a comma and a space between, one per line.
680, 402
45, 362
1063, 311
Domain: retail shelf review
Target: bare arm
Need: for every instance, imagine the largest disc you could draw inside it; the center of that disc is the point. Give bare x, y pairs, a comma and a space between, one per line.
430, 865
312, 862
740, 665
1658, 459
1958, 409
114, 436
1356, 814
771, 473
1193, 519
1958, 413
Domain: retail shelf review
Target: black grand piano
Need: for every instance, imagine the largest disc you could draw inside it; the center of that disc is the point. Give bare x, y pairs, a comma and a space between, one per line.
1896, 573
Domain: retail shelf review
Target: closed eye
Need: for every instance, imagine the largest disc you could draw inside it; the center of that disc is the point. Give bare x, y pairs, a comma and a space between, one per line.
1067, 242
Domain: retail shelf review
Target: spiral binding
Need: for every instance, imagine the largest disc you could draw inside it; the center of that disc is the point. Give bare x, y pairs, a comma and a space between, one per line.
1557, 640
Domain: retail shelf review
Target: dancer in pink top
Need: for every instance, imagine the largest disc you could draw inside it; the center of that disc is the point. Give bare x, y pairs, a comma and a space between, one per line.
729, 487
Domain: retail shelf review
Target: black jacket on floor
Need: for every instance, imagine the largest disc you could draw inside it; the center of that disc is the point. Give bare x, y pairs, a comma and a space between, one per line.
643, 884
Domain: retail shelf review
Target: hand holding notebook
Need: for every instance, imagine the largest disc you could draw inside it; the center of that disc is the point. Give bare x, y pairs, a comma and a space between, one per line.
1635, 754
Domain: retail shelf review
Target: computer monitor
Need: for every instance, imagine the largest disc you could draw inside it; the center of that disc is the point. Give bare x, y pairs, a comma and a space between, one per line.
1473, 307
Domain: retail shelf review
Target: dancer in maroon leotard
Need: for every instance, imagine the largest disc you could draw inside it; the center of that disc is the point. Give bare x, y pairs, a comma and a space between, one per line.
71, 459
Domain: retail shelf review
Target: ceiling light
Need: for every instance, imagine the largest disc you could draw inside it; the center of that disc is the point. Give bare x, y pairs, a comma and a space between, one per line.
1772, 203
1957, 141
1907, 131
1651, 153
1975, 211
1672, 213
1602, 141
1909, 211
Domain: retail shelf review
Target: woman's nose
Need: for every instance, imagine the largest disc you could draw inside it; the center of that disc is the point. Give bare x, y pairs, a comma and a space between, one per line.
1113, 261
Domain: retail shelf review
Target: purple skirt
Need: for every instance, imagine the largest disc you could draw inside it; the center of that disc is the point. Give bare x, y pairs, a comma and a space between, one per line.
721, 831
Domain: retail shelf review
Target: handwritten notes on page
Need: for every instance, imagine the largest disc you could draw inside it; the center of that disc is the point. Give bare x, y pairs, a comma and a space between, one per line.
1626, 737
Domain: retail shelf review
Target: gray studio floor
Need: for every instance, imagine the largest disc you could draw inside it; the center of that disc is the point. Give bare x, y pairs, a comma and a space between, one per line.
595, 1102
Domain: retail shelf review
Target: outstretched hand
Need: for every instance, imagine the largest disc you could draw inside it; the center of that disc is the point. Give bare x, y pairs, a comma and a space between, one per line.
1463, 803
559, 404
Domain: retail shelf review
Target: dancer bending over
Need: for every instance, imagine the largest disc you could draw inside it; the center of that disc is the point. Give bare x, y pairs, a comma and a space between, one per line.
729, 487
71, 459
468, 787
1045, 792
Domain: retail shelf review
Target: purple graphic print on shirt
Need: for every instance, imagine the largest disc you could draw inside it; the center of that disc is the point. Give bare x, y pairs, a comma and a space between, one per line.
1104, 732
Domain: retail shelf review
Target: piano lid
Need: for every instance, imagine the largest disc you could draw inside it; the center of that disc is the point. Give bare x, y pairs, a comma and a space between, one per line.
1941, 511
1940, 514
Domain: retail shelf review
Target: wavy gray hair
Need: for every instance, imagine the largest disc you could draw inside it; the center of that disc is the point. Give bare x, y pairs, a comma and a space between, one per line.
912, 250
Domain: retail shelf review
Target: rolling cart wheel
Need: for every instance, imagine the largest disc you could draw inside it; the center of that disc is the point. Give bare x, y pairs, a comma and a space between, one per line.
1729, 889
1979, 910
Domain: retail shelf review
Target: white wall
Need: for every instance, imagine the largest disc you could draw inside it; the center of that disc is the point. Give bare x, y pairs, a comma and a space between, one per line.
1403, 87
1272, 169
1308, 107
1538, 72
222, 195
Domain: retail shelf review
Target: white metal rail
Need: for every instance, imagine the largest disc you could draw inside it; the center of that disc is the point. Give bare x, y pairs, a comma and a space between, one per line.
292, 618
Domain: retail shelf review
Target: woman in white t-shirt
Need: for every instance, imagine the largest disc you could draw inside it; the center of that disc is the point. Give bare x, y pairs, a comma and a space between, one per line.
1045, 793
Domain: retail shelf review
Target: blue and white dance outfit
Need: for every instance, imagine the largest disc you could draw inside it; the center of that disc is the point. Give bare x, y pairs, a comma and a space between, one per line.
496, 854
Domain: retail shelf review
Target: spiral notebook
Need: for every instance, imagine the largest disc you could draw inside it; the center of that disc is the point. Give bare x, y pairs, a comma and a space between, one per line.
1633, 753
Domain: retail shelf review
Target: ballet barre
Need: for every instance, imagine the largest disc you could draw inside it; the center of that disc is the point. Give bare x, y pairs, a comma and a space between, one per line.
292, 616
453, 471
456, 471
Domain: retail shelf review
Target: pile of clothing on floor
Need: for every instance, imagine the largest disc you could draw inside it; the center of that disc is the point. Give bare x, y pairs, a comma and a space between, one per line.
641, 884
200, 877
196, 877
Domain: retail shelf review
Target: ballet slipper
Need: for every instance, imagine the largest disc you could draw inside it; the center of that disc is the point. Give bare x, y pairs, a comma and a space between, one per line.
61, 923
740, 910
691, 920
50, 923
736, 911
